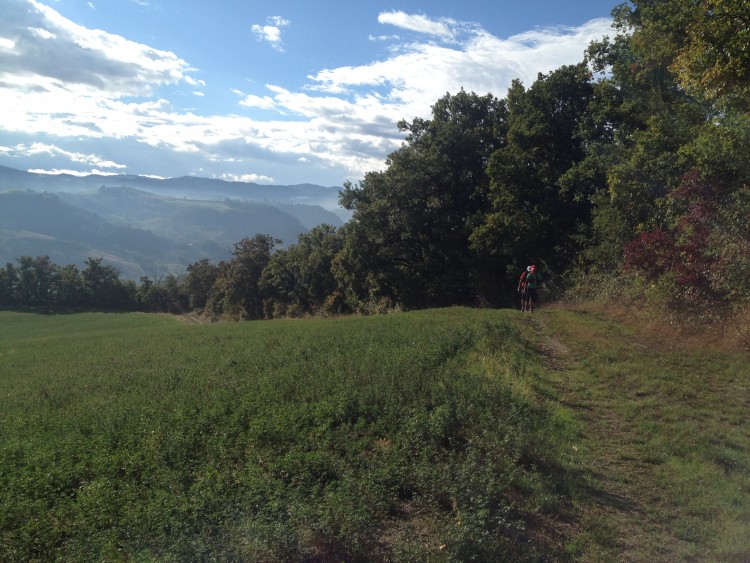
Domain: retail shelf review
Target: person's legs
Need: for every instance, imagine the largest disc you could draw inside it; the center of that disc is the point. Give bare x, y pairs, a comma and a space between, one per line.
532, 300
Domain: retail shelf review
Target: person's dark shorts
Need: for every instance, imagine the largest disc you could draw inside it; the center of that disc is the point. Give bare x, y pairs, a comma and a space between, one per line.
532, 294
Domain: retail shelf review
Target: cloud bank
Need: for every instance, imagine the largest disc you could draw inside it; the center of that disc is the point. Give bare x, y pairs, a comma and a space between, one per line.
68, 84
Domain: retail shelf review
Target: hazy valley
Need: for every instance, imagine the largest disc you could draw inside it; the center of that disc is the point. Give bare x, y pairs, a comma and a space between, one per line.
147, 226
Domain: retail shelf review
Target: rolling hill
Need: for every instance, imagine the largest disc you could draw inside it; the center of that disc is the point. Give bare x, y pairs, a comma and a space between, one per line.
186, 186
143, 232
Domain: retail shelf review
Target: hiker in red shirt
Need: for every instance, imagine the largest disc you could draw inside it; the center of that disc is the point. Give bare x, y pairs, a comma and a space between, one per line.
522, 288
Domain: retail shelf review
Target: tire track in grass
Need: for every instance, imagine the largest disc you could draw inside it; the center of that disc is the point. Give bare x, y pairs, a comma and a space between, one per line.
619, 509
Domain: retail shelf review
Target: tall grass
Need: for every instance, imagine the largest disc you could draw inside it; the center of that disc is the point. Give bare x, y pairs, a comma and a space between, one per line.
401, 437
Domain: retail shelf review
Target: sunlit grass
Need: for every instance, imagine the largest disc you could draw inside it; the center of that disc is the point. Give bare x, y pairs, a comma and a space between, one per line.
665, 426
429, 435
407, 436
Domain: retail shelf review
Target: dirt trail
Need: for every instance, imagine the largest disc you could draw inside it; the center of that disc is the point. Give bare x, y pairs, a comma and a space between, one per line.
622, 490
554, 349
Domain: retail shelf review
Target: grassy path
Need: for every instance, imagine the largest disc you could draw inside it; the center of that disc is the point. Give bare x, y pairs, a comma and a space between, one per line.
663, 452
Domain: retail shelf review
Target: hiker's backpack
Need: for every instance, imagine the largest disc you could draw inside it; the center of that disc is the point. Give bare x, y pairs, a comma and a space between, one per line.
522, 279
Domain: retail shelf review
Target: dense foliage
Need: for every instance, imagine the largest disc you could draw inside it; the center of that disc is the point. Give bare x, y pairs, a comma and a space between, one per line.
630, 165
38, 283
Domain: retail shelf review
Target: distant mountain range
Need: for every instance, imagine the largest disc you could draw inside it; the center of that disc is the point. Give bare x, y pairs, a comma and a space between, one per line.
147, 226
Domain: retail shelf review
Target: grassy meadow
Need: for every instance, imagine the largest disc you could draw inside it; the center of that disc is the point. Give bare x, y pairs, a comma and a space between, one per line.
402, 437
441, 435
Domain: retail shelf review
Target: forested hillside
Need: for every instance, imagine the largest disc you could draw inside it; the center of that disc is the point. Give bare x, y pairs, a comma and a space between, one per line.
141, 233
632, 163
625, 175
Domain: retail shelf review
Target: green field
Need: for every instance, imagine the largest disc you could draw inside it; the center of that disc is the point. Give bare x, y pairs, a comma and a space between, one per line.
403, 437
450, 434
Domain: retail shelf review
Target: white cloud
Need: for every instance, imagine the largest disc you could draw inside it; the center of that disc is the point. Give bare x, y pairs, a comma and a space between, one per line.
193, 81
383, 37
252, 101
57, 171
43, 33
442, 29
36, 149
271, 32
278, 21
420, 73
69, 83
255, 178
58, 56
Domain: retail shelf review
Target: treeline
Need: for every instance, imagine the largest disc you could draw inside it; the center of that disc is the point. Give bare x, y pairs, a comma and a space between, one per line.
630, 166
259, 281
39, 283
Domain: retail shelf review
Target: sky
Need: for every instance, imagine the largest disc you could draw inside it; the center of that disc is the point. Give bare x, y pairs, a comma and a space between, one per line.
267, 91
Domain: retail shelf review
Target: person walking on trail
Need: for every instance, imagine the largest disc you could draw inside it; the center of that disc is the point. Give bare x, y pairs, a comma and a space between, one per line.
533, 280
522, 288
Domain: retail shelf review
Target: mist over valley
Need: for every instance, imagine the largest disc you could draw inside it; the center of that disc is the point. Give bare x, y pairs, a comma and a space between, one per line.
149, 226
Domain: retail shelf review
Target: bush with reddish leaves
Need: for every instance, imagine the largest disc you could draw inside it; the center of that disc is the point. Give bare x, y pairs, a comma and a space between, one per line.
652, 253
688, 251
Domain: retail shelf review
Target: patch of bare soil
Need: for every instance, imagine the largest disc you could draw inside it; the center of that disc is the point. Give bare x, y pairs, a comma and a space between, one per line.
192, 318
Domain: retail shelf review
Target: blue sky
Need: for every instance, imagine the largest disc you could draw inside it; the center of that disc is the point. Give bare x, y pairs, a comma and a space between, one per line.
274, 92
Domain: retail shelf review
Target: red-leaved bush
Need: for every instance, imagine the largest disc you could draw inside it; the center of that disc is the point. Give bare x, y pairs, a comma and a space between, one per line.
652, 253
684, 250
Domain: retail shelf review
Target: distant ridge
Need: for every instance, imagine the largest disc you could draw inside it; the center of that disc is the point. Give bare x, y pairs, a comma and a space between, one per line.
149, 226
185, 186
